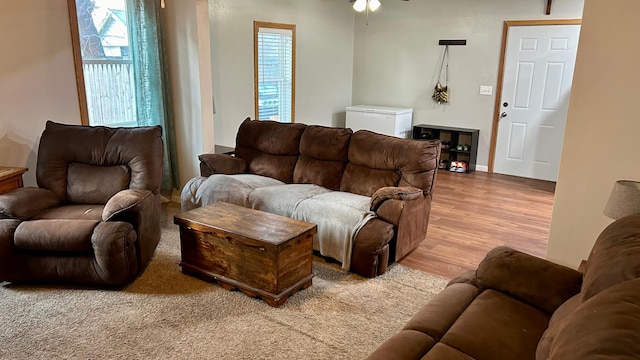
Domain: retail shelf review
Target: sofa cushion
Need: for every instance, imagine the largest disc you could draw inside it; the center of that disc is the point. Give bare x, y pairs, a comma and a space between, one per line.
607, 326
55, 235
270, 148
232, 189
90, 184
377, 160
72, 212
509, 271
102, 146
279, 167
363, 180
442, 351
555, 324
497, 326
437, 316
323, 156
614, 258
407, 344
326, 143
282, 199
323, 173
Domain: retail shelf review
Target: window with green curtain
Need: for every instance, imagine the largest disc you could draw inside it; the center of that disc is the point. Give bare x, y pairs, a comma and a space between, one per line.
120, 55
274, 64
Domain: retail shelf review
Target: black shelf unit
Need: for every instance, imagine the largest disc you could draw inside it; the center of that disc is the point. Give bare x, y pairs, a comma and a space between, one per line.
455, 136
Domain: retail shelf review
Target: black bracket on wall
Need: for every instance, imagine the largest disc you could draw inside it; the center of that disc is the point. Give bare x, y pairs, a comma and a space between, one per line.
453, 42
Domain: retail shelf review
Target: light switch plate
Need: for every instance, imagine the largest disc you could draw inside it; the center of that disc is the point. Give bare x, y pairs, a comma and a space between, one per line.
486, 90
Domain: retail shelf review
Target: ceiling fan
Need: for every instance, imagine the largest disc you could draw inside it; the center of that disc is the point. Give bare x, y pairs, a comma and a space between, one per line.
369, 5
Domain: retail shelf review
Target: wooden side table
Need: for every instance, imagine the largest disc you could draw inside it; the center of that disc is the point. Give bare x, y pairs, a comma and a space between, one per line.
221, 149
10, 178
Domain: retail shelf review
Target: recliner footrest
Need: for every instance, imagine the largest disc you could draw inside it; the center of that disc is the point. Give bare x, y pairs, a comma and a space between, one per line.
55, 235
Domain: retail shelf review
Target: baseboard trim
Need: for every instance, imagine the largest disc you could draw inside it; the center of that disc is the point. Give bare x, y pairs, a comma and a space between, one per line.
482, 168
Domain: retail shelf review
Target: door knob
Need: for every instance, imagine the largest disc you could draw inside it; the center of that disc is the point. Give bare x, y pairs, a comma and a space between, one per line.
504, 114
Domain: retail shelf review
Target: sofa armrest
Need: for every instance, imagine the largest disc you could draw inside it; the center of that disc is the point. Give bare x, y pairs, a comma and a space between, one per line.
221, 164
128, 200
394, 193
467, 277
114, 250
407, 209
23, 203
533, 280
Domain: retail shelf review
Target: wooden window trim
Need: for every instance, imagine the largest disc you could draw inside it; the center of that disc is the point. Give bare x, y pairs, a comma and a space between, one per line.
77, 62
261, 24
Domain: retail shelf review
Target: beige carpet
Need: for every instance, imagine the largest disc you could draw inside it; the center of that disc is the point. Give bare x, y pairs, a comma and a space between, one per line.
167, 315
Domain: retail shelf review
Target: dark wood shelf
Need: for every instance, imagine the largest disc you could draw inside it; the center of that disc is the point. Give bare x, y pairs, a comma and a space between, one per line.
455, 136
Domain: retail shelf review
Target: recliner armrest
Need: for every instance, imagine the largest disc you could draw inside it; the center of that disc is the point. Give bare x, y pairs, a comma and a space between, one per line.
124, 201
23, 203
397, 193
533, 280
221, 164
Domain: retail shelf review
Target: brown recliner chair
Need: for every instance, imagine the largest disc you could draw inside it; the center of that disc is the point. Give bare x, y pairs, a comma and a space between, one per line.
94, 217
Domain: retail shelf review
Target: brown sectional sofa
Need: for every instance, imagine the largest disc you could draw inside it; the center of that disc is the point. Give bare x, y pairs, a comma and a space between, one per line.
302, 164
516, 306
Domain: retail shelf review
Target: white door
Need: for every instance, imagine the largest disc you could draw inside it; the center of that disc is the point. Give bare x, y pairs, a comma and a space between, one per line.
538, 70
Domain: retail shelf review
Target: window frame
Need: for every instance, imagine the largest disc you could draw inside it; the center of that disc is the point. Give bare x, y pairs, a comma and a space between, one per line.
85, 91
77, 62
256, 27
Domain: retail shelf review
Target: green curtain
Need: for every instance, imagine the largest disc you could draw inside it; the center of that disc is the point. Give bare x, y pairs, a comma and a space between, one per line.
151, 73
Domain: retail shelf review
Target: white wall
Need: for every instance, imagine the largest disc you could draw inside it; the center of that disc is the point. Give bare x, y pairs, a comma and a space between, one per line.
324, 31
37, 78
188, 46
397, 57
601, 141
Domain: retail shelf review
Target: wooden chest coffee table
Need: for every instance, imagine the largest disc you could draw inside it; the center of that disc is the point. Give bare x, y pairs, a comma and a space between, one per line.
261, 254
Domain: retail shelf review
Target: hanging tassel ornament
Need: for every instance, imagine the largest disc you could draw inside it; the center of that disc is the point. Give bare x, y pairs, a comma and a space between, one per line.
441, 93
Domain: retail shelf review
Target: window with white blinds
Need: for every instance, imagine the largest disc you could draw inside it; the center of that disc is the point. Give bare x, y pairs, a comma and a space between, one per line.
274, 66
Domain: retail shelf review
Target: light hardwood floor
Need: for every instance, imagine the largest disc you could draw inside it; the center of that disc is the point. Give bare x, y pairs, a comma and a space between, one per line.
473, 213
470, 215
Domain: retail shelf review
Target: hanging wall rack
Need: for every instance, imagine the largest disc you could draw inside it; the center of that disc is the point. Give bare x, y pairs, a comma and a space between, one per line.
452, 42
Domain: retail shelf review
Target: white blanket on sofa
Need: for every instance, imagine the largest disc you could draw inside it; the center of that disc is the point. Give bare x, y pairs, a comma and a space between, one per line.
339, 215
233, 189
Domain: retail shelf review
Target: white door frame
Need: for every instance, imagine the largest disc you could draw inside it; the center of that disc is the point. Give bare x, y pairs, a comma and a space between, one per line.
498, 102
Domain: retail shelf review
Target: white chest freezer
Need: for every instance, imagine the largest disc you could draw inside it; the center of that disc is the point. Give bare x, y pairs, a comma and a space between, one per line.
394, 121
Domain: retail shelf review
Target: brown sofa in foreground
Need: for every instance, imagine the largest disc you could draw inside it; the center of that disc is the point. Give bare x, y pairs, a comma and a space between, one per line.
332, 177
94, 217
517, 306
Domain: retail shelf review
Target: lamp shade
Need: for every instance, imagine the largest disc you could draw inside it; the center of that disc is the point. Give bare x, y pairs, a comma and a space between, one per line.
624, 199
